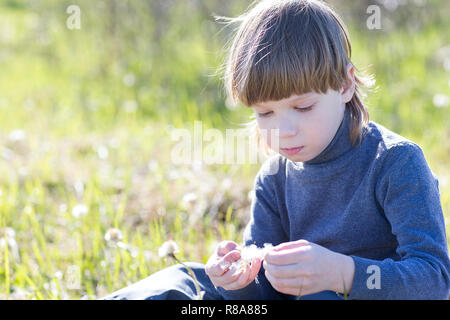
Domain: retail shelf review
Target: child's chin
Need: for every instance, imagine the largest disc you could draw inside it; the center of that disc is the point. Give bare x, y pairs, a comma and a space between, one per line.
293, 157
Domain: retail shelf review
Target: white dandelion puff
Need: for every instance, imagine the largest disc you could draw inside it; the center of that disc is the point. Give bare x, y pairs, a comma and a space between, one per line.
129, 79
8, 240
113, 235
441, 100
168, 248
248, 253
103, 152
17, 135
79, 210
9, 232
189, 197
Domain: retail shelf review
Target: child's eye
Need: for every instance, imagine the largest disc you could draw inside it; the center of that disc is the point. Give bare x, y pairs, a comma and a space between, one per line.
304, 109
266, 114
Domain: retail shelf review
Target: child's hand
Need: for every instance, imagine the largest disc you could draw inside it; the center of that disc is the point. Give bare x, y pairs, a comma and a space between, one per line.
223, 273
301, 267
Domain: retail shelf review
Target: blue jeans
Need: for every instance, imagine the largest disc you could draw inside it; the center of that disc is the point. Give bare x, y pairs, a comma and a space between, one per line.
175, 283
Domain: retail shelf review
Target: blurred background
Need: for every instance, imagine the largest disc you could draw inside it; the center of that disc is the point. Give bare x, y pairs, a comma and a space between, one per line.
88, 191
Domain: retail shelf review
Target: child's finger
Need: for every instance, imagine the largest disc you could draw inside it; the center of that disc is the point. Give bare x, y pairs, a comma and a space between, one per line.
242, 280
222, 264
291, 245
254, 269
228, 278
226, 246
232, 256
235, 278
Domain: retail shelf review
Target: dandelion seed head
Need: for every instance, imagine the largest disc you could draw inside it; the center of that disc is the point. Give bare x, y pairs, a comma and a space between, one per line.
248, 253
9, 233
17, 135
129, 79
79, 210
189, 197
103, 152
113, 235
227, 183
441, 100
58, 274
168, 248
28, 210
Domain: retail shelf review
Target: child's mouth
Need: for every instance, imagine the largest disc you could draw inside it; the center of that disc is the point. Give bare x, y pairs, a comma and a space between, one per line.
292, 151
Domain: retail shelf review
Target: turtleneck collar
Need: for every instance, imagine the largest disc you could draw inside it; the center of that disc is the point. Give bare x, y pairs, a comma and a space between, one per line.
339, 145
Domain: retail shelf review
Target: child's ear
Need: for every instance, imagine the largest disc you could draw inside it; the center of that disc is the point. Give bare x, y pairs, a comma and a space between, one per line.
349, 88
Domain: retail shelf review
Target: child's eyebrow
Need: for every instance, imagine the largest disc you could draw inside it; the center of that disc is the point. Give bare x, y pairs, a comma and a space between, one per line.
292, 100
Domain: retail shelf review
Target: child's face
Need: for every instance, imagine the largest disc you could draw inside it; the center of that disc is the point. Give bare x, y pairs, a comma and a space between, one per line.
309, 121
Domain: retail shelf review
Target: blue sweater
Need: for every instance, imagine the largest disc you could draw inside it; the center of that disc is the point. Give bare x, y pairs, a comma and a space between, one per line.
377, 202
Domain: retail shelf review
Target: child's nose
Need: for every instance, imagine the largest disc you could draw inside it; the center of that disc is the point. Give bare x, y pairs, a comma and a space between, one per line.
287, 129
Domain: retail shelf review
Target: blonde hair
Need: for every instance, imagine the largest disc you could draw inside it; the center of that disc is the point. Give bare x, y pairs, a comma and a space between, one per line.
285, 47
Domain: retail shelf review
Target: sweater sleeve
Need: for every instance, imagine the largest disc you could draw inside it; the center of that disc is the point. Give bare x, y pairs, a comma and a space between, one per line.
264, 227
409, 195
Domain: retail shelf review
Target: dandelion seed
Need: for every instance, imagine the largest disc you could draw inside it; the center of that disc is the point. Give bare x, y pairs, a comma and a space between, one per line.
129, 79
189, 197
9, 232
248, 253
8, 155
23, 172
113, 235
134, 252
168, 248
17, 135
441, 100
153, 165
123, 245
28, 210
18, 294
161, 211
227, 183
79, 210
58, 275
12, 247
102, 152
79, 187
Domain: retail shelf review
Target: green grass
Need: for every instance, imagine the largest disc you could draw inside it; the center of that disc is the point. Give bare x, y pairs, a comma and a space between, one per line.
82, 141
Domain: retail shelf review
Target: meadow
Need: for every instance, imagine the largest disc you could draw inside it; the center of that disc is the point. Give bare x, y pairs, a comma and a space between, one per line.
88, 188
